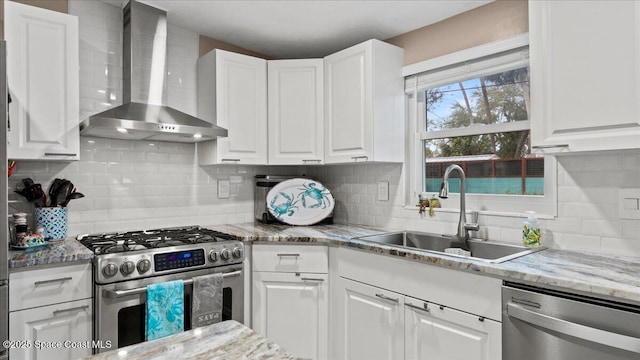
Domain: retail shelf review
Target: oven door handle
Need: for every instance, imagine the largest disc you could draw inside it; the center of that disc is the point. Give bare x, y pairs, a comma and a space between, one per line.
114, 294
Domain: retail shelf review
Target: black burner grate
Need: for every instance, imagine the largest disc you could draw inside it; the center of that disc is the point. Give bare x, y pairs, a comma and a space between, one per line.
148, 239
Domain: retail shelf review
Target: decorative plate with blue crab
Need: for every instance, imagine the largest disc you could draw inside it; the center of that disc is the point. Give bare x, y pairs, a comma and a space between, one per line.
300, 201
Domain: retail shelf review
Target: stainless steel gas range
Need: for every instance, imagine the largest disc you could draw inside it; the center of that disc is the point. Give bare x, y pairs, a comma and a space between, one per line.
125, 263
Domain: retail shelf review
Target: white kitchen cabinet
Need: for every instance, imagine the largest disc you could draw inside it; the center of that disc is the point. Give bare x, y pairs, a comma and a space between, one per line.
370, 322
291, 309
436, 332
296, 123
51, 304
378, 310
584, 76
232, 93
290, 297
43, 81
364, 104
56, 324
375, 323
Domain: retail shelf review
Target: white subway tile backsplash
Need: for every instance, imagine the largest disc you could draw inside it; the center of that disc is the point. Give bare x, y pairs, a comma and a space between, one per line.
565, 225
510, 235
569, 193
581, 210
579, 242
107, 179
620, 246
154, 157
601, 227
631, 229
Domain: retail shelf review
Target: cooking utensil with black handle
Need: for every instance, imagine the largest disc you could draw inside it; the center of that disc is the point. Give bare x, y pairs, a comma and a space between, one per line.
74, 195
53, 192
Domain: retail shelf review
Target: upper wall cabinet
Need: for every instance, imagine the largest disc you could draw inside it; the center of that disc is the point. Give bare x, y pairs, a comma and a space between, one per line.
232, 93
296, 124
43, 81
364, 104
585, 75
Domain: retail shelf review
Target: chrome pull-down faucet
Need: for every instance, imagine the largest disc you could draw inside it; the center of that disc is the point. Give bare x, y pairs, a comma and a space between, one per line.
463, 226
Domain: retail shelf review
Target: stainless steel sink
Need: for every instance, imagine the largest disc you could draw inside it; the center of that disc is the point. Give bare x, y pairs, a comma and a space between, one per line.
488, 251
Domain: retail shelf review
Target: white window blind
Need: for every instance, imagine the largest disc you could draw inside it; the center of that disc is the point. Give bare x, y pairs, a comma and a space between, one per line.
493, 64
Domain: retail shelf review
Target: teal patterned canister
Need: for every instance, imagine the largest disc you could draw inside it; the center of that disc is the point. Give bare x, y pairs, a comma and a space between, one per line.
53, 221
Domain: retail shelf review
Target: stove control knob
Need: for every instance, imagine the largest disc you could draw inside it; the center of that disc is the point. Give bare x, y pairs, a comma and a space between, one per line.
237, 252
127, 267
143, 266
110, 270
225, 254
213, 255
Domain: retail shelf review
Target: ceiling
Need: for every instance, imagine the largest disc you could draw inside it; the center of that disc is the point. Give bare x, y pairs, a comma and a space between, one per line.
305, 28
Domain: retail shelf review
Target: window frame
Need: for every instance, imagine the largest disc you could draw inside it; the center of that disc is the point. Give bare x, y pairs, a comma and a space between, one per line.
473, 62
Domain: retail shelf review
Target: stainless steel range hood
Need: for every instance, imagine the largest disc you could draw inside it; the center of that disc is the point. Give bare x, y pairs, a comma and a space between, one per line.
144, 114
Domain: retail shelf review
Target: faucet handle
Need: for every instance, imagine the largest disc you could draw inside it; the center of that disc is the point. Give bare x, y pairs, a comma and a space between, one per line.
474, 217
473, 225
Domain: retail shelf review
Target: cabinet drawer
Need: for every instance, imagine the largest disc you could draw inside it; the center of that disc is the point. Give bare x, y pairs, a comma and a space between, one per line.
49, 286
290, 258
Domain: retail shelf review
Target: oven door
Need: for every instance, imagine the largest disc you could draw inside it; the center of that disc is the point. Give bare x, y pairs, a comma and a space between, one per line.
120, 308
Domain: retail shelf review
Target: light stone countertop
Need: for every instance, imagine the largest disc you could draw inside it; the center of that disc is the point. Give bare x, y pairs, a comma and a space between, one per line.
228, 340
62, 251
604, 276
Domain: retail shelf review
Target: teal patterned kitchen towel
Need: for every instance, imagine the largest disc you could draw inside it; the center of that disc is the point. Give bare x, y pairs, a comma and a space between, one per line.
165, 309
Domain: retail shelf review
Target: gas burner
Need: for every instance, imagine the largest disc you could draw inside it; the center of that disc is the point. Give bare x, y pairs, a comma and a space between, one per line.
110, 243
165, 243
112, 246
118, 248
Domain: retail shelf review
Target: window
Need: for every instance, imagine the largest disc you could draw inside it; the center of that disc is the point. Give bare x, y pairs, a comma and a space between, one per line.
475, 113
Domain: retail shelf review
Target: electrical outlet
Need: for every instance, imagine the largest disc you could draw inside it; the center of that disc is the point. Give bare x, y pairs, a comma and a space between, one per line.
383, 191
223, 189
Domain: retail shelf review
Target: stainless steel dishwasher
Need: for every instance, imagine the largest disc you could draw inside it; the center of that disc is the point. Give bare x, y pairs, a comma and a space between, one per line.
541, 324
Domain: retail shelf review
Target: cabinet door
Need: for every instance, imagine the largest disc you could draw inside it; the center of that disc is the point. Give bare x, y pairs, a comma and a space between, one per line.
70, 321
43, 81
585, 77
241, 91
368, 322
434, 332
291, 309
296, 123
348, 107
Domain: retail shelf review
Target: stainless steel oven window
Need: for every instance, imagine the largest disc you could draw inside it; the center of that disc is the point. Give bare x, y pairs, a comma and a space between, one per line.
120, 308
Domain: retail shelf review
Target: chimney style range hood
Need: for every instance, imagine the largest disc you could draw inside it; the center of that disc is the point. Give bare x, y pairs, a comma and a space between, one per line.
144, 114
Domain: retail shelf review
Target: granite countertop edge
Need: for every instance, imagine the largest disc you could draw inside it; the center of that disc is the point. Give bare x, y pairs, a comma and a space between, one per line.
224, 340
56, 252
605, 276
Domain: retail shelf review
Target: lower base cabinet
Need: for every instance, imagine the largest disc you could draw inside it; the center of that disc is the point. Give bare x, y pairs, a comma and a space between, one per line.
291, 309
374, 323
63, 329
369, 322
436, 332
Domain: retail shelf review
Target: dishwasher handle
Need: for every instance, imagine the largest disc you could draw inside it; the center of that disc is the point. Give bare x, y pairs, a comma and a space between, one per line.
579, 331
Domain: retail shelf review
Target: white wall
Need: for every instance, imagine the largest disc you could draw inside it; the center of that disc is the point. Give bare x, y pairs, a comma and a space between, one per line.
132, 185
587, 204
